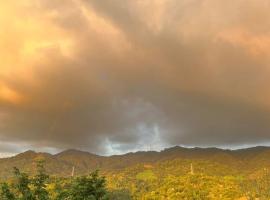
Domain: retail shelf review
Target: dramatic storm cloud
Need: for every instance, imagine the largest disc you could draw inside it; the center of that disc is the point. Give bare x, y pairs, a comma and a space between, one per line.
116, 76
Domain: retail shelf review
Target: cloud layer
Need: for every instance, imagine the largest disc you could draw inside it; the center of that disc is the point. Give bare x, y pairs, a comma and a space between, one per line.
111, 77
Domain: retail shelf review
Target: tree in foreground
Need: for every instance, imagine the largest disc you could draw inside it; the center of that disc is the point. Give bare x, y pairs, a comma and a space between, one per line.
6, 194
39, 182
91, 187
22, 186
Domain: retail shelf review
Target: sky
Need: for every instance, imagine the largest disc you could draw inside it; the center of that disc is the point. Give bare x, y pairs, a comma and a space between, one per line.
116, 76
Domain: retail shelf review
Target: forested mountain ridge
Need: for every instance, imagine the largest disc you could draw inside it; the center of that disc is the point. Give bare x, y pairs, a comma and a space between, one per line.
61, 164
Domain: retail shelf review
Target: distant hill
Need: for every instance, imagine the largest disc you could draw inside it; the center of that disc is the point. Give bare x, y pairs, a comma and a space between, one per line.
61, 164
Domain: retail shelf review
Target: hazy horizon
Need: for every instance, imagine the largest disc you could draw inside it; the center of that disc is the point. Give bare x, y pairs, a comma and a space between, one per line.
55, 152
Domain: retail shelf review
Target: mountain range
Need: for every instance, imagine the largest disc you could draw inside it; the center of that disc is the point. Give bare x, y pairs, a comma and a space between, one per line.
61, 164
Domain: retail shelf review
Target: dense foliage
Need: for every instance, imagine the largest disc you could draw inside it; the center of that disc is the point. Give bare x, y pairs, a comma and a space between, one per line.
41, 187
190, 180
165, 180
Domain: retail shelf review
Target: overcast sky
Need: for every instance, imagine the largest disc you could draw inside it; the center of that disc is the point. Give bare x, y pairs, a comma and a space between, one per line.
116, 76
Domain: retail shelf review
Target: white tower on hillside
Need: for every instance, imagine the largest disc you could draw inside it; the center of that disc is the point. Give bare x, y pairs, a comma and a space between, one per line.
191, 169
72, 172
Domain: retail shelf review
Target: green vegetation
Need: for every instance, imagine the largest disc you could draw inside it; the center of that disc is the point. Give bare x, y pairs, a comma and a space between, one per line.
168, 180
174, 180
41, 187
210, 176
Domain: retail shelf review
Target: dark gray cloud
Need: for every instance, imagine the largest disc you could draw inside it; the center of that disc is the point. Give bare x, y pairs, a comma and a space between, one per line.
113, 77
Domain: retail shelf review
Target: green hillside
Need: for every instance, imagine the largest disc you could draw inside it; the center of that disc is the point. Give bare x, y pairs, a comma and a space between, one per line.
174, 173
240, 161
